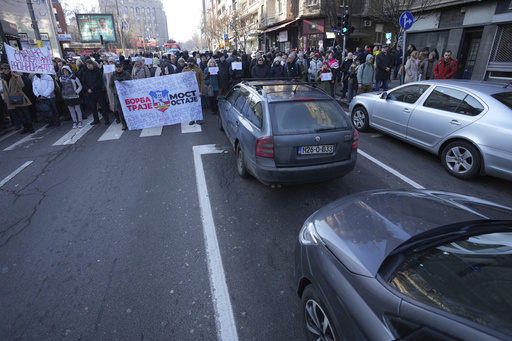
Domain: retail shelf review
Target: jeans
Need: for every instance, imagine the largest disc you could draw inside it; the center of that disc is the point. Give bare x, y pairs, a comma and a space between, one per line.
352, 90
384, 83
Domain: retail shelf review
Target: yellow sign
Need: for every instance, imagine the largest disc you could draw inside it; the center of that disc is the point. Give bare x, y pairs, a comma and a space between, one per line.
40, 43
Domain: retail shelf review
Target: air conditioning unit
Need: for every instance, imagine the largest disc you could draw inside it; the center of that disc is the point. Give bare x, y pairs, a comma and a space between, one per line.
367, 23
32, 41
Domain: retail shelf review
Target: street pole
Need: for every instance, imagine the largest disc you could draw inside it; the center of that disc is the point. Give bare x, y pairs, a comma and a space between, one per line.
34, 24
403, 58
120, 25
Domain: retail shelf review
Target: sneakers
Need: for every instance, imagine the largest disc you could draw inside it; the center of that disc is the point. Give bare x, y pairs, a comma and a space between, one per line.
74, 125
191, 123
198, 122
80, 124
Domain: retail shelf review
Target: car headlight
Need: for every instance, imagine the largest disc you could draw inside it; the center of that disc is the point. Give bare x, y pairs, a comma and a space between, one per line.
308, 235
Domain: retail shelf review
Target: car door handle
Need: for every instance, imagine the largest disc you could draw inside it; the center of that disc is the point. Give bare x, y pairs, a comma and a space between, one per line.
406, 110
455, 122
237, 123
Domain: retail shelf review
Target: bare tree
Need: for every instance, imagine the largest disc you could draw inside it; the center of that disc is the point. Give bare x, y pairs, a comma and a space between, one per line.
389, 12
333, 9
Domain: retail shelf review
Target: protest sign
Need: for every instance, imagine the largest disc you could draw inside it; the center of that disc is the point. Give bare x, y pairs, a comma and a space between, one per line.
36, 60
326, 76
213, 70
148, 61
236, 65
159, 101
108, 68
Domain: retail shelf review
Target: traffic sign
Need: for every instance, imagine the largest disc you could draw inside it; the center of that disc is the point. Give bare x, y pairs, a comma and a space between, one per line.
335, 30
406, 20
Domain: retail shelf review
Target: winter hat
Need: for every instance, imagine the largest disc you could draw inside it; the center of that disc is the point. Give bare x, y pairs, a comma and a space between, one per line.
316, 55
111, 60
136, 59
191, 59
277, 59
89, 61
325, 63
156, 61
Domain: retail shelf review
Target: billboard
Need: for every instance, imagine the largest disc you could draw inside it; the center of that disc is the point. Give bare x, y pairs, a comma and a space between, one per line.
91, 26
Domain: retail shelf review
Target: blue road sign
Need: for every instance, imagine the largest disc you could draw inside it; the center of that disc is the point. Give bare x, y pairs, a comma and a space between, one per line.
335, 30
406, 20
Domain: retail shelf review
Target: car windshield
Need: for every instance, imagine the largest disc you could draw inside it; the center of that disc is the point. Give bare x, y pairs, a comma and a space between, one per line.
505, 98
469, 277
303, 117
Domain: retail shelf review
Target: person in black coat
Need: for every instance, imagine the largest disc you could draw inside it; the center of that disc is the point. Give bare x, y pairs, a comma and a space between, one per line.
260, 70
224, 79
93, 86
384, 62
291, 69
236, 75
246, 66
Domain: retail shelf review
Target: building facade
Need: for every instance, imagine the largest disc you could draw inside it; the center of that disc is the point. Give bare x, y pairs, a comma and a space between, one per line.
139, 19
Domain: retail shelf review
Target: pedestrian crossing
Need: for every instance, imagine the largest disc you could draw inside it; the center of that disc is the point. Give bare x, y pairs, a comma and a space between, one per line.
71, 136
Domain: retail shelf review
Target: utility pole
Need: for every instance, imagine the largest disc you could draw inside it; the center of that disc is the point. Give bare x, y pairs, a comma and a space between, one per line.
34, 23
51, 17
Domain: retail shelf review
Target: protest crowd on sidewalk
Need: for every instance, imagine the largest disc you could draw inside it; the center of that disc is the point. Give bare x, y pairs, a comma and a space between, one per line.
86, 85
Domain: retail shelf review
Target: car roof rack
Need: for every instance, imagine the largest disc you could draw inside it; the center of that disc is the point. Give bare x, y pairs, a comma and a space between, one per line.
273, 82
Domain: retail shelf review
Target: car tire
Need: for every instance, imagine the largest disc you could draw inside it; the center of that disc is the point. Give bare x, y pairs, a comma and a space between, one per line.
359, 118
240, 162
461, 159
219, 123
316, 319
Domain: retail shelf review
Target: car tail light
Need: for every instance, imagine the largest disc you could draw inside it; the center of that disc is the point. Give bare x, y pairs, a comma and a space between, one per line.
265, 147
355, 141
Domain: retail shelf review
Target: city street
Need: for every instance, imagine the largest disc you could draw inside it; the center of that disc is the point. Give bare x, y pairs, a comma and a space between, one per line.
152, 235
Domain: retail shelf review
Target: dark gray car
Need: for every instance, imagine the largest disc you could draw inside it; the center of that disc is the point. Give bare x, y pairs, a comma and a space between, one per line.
287, 132
406, 265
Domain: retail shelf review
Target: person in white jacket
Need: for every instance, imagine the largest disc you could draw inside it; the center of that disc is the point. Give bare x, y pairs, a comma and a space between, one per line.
314, 65
43, 86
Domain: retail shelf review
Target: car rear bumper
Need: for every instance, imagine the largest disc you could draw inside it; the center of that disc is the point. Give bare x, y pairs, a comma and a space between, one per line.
265, 171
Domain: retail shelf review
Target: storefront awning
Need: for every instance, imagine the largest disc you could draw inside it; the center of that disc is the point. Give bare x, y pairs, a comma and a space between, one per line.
279, 26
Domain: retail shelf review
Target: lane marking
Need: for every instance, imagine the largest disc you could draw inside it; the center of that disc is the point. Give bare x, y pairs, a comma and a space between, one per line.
13, 174
155, 131
185, 128
9, 135
29, 137
224, 318
73, 135
113, 132
391, 170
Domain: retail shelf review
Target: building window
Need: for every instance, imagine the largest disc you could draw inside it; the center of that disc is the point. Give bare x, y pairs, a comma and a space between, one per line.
136, 10
312, 2
153, 10
279, 6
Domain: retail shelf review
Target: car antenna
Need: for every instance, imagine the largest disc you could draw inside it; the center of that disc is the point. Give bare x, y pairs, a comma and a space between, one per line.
295, 90
506, 86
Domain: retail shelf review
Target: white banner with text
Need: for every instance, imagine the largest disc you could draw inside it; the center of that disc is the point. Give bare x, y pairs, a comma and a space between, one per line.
36, 60
160, 101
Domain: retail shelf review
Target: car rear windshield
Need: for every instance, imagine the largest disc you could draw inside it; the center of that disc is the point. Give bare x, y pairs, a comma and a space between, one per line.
505, 98
302, 117
470, 277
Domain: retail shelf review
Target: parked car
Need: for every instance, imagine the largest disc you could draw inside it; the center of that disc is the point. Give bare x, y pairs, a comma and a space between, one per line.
287, 132
467, 124
406, 265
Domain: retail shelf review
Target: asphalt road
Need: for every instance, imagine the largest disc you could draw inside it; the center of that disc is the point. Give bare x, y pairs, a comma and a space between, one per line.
133, 239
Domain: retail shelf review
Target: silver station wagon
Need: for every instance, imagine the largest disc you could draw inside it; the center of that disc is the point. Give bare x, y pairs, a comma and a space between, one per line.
287, 132
467, 124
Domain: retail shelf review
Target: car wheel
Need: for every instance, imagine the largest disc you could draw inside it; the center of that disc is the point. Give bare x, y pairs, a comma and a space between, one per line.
240, 163
219, 123
360, 118
317, 321
461, 159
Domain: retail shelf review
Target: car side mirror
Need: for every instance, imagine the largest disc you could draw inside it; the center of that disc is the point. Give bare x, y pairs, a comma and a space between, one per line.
383, 95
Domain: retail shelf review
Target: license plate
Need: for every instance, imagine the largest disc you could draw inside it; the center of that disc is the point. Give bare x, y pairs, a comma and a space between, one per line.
311, 150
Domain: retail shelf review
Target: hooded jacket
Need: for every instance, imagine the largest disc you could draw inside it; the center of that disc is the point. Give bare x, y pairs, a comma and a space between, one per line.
366, 72
70, 85
43, 86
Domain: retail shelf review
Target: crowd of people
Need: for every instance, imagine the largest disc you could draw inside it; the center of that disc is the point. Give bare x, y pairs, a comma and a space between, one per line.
80, 86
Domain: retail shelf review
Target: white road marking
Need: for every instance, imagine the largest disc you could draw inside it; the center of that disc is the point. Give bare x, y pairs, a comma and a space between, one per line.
391, 170
224, 318
74, 134
13, 174
155, 131
28, 138
186, 128
113, 132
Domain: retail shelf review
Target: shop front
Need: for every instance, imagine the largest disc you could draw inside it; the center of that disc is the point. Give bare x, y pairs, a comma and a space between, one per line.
284, 37
312, 33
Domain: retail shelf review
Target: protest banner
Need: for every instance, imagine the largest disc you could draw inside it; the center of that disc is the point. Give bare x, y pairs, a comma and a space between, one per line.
158, 101
36, 60
108, 68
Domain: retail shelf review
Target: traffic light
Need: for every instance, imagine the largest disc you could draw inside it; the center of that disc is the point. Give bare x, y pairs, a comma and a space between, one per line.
340, 20
345, 26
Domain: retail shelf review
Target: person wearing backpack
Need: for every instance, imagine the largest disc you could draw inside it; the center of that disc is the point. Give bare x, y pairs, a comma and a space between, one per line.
446, 67
70, 91
155, 70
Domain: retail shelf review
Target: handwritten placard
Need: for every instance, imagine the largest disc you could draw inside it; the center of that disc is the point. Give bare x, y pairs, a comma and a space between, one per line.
108, 68
236, 65
36, 60
326, 76
148, 61
159, 101
213, 70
